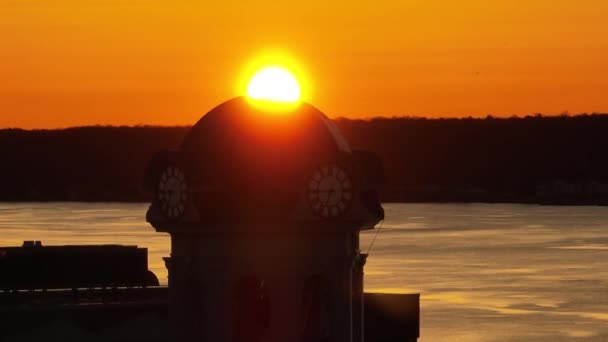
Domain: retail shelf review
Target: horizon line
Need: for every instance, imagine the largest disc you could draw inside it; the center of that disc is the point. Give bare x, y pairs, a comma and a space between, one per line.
336, 118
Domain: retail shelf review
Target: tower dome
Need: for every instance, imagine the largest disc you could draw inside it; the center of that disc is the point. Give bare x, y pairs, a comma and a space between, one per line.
245, 160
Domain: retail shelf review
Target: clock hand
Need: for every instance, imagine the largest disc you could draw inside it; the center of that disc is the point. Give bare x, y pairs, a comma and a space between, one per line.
329, 193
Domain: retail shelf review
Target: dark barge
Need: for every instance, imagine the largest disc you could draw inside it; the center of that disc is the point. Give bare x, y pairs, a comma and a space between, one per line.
34, 266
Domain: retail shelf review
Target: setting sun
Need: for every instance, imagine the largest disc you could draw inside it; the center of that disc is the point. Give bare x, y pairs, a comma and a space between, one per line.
274, 83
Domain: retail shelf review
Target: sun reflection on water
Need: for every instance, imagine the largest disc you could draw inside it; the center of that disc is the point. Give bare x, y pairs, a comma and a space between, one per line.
485, 272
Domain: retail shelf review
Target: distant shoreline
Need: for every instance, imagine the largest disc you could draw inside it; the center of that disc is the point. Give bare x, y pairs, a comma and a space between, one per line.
551, 160
446, 202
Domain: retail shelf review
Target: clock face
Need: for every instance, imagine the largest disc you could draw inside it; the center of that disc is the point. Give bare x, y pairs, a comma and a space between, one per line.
330, 191
172, 192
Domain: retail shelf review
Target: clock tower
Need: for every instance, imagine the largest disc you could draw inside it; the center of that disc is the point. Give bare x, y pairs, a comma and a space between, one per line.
264, 208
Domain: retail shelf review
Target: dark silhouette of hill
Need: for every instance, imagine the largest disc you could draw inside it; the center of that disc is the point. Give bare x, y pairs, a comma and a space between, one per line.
559, 159
81, 164
532, 159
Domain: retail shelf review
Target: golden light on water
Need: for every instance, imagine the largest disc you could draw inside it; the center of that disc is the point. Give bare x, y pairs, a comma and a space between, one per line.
274, 83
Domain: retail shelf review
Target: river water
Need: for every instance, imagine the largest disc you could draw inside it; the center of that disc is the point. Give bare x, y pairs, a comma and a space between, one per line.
486, 272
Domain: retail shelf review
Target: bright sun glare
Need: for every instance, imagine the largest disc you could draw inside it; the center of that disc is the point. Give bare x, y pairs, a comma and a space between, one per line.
274, 83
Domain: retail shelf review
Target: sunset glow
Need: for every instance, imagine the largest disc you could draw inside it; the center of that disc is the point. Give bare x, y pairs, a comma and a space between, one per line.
69, 63
274, 83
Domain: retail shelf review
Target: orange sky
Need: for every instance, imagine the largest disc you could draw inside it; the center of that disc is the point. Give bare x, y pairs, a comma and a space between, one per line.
82, 62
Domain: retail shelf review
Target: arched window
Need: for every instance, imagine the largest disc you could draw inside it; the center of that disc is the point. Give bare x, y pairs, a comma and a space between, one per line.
251, 310
316, 310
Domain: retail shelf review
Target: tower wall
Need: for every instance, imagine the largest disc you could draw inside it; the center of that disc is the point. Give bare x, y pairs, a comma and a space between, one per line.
307, 282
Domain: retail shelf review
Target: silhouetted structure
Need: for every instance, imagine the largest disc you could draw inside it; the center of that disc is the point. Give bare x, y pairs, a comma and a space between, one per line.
140, 314
34, 266
264, 209
392, 317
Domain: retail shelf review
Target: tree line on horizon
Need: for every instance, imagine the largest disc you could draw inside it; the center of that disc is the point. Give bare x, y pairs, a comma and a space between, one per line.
558, 159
